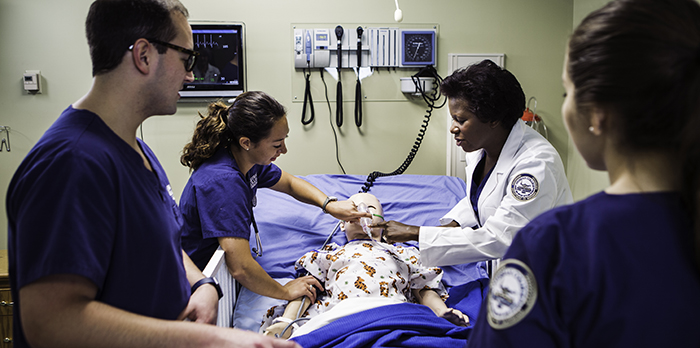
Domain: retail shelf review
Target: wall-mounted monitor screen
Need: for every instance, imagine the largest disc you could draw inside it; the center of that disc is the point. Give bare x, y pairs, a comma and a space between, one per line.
220, 68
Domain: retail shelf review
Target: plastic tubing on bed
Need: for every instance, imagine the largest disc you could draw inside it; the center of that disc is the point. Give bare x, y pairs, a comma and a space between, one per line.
331, 235
301, 307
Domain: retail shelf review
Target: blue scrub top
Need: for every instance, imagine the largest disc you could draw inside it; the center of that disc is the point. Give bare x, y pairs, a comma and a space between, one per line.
217, 202
609, 271
478, 187
82, 202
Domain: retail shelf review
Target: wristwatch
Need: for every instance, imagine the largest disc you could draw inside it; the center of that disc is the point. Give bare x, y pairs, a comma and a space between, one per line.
211, 281
328, 200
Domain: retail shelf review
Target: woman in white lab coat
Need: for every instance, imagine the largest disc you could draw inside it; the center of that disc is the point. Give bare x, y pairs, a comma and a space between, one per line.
513, 173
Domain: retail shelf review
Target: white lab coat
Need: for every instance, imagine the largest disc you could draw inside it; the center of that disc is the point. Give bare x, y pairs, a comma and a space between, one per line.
501, 214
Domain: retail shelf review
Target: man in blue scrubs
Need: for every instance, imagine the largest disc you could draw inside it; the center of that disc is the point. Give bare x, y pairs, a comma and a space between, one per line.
94, 231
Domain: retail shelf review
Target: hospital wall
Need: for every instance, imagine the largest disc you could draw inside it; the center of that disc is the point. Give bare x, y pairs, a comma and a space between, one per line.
583, 180
48, 35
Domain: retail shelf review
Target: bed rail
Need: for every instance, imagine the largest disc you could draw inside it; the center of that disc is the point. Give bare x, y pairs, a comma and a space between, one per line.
217, 268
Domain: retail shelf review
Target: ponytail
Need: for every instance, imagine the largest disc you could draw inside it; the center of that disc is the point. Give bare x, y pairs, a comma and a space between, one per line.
251, 115
640, 59
211, 133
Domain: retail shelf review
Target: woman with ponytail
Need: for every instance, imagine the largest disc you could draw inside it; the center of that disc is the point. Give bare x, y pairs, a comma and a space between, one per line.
620, 268
231, 155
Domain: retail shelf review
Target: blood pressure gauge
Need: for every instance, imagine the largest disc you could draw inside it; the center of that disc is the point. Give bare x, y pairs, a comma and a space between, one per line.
418, 47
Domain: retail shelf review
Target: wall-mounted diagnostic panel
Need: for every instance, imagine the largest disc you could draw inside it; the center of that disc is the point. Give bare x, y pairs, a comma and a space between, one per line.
418, 47
312, 48
374, 46
384, 48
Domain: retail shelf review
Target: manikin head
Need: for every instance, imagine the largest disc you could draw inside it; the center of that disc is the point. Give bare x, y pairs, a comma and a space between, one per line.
352, 229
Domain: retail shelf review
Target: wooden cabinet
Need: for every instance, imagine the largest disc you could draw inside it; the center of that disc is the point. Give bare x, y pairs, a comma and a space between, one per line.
6, 303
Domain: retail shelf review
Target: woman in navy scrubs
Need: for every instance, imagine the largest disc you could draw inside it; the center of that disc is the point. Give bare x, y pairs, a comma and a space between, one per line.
231, 153
620, 268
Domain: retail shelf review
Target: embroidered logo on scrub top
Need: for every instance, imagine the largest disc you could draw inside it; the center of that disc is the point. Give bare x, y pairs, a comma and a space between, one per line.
524, 187
173, 205
254, 180
512, 294
170, 191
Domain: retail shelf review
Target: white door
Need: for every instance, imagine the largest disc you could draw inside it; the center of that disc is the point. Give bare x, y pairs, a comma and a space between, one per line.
455, 155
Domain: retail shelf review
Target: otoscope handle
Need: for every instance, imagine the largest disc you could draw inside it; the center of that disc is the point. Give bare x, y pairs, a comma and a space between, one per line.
359, 46
339, 91
339, 104
358, 103
339, 35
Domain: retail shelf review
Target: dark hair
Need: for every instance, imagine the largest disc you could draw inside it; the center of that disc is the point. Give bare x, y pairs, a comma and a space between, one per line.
640, 60
114, 25
493, 93
251, 115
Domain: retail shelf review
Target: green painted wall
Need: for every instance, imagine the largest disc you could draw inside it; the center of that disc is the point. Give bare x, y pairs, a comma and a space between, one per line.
583, 180
48, 35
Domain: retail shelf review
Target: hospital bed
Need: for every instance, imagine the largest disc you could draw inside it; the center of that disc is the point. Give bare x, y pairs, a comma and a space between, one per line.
288, 229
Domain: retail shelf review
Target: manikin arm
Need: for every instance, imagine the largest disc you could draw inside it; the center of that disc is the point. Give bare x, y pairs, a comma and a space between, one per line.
290, 313
430, 298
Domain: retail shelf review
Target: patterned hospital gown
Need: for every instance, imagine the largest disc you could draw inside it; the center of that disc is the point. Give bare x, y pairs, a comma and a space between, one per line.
363, 268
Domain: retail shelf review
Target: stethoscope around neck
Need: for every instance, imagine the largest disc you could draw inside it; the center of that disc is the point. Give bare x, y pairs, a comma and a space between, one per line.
258, 250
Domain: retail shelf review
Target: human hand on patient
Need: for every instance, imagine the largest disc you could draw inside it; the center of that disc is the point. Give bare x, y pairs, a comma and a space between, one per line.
395, 232
302, 286
203, 306
345, 211
454, 316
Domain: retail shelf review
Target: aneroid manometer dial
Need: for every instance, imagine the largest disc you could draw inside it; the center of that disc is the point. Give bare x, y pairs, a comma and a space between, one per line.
418, 47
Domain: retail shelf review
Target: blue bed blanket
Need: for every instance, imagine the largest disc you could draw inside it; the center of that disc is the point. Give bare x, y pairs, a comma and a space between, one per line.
399, 325
289, 229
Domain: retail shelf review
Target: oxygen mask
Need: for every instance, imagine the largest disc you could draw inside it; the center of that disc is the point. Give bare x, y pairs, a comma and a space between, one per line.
365, 221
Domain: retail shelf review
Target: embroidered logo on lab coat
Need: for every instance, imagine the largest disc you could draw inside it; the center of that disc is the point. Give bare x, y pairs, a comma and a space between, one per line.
524, 187
512, 294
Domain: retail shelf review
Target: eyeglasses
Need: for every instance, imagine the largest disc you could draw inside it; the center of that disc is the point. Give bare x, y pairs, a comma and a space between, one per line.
191, 59
189, 62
